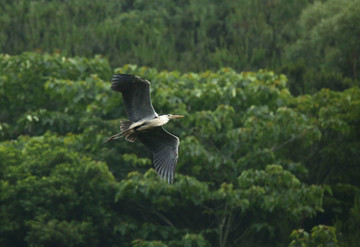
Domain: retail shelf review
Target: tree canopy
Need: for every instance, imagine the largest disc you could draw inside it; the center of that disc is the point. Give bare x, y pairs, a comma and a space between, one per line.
315, 43
257, 167
269, 152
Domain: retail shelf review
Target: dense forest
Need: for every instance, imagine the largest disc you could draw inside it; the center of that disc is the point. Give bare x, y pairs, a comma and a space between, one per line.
270, 142
315, 43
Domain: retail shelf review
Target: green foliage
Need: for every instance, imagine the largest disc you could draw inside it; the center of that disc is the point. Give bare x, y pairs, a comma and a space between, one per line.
326, 54
51, 194
315, 43
22, 79
329, 42
178, 34
321, 236
348, 227
255, 162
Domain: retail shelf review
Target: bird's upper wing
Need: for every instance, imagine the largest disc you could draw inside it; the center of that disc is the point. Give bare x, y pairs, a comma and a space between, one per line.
164, 147
136, 96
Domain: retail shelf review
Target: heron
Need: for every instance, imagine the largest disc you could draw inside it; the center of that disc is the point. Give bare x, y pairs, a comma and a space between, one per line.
146, 125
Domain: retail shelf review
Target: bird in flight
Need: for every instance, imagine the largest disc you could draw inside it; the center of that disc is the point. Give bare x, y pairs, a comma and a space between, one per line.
146, 125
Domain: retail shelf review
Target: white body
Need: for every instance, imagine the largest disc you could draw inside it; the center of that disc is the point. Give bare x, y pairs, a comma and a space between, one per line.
149, 124
130, 130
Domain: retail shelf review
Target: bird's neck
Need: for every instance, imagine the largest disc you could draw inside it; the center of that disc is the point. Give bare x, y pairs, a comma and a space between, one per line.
164, 119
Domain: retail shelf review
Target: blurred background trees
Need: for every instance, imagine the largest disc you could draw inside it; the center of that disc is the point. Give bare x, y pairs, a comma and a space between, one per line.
267, 158
315, 43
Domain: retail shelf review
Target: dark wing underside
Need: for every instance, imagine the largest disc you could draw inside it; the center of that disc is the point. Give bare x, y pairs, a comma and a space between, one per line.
164, 147
136, 96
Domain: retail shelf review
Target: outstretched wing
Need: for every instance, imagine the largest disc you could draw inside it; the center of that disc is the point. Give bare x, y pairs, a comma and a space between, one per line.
164, 147
136, 96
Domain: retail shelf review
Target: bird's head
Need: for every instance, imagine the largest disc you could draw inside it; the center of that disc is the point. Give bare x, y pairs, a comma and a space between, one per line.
170, 116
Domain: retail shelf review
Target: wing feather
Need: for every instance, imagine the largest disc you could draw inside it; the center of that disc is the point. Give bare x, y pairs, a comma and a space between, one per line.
136, 96
164, 147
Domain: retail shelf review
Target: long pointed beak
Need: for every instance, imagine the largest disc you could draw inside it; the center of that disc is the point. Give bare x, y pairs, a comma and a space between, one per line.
176, 116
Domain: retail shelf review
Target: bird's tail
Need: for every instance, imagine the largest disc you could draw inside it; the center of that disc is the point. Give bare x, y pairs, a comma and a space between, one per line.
113, 137
129, 134
126, 132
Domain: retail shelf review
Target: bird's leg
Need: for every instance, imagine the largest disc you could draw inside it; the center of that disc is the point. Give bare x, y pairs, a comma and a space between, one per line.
116, 136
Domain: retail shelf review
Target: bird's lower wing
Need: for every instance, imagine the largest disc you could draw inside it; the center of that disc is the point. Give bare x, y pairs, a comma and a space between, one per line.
164, 147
